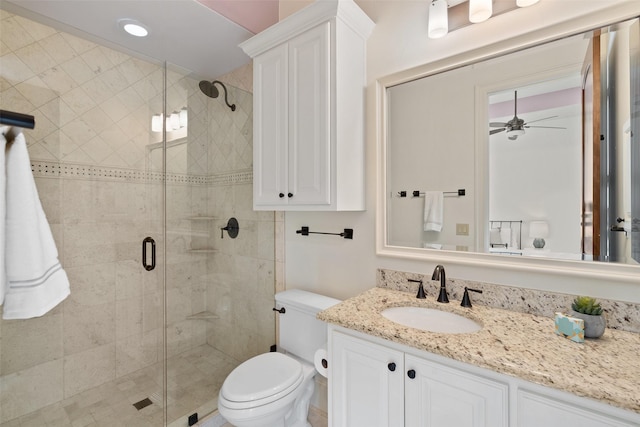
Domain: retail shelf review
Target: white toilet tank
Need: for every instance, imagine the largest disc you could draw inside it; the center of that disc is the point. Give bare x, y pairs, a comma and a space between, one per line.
301, 334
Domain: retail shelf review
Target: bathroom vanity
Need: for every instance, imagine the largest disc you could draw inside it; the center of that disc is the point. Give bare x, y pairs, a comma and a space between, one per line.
515, 371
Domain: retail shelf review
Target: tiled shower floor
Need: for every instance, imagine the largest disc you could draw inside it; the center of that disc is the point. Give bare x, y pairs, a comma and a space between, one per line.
193, 381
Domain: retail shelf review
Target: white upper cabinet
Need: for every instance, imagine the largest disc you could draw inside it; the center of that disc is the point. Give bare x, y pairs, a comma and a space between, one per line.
309, 83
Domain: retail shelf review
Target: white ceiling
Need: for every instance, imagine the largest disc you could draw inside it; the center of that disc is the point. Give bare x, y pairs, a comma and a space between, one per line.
182, 32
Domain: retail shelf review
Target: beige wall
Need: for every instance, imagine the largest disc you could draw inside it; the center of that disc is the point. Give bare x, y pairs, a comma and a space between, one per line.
399, 41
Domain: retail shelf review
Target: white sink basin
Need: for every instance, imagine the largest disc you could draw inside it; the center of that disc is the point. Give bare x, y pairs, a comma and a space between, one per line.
432, 320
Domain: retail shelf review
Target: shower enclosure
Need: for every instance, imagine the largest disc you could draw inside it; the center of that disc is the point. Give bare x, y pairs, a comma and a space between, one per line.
125, 149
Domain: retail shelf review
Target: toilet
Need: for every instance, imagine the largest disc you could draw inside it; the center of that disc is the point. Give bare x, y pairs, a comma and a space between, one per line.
274, 389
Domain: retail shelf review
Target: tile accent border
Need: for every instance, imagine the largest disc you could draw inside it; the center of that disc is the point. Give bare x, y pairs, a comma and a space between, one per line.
44, 169
620, 315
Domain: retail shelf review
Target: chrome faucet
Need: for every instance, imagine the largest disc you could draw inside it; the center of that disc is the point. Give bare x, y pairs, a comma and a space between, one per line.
438, 273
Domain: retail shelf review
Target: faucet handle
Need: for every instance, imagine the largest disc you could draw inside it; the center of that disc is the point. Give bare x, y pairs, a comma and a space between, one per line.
421, 294
466, 301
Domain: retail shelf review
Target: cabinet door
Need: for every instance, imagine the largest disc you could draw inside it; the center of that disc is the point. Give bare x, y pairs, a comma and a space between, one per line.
270, 148
309, 123
440, 396
536, 410
365, 388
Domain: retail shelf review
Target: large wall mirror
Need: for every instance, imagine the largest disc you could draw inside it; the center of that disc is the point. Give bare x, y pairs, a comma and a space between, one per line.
533, 154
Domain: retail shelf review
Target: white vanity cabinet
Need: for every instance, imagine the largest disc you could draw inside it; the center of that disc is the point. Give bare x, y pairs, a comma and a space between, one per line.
378, 383
437, 395
308, 115
546, 407
366, 383
375, 385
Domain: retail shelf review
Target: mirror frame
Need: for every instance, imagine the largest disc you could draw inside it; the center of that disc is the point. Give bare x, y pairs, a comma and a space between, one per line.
621, 273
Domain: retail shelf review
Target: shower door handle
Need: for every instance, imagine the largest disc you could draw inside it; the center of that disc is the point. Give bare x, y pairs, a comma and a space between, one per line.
146, 241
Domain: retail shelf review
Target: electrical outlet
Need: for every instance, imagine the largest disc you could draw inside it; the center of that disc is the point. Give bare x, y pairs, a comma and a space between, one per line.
462, 229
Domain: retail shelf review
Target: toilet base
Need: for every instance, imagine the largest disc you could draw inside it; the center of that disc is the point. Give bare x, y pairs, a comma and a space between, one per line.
294, 414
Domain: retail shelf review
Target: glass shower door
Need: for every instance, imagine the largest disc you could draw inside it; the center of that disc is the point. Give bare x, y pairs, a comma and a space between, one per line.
219, 289
97, 357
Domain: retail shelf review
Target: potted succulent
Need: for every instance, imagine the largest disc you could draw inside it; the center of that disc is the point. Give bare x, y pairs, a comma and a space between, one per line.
589, 310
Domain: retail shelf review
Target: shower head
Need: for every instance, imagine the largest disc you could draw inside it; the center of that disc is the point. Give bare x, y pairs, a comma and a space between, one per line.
209, 89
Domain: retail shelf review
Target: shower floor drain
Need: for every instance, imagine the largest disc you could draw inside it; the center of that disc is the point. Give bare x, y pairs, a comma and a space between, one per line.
143, 403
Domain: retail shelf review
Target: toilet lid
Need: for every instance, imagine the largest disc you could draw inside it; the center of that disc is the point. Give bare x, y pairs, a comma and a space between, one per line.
262, 376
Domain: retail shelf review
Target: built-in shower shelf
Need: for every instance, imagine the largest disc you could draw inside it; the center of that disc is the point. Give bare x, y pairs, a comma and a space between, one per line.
202, 251
203, 315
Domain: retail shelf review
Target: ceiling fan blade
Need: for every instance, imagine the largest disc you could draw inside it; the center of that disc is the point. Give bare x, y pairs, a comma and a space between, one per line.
497, 124
539, 120
545, 127
494, 131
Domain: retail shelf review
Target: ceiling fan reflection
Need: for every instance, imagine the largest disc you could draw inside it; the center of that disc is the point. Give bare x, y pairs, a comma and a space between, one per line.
516, 126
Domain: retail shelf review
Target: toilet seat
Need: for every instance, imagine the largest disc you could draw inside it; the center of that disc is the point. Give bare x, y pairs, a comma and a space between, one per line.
261, 380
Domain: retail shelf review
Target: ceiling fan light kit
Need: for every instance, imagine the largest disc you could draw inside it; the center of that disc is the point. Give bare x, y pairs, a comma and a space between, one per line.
516, 126
450, 15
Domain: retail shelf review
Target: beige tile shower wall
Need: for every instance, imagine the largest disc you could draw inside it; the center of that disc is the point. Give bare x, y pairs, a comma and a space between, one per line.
94, 147
92, 104
111, 324
241, 276
92, 107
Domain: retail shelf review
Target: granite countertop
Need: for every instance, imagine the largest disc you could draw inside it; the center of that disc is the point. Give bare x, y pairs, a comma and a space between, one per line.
517, 344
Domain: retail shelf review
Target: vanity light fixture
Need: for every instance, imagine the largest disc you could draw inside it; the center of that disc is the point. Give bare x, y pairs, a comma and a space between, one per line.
480, 10
175, 121
450, 15
156, 123
438, 19
133, 27
526, 3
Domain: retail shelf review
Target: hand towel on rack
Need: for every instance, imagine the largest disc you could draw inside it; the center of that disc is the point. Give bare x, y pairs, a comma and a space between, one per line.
433, 208
36, 281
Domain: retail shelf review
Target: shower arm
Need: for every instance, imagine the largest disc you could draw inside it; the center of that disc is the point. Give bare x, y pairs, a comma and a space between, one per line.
226, 99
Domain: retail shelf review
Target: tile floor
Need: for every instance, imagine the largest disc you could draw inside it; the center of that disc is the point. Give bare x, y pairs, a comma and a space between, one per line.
193, 381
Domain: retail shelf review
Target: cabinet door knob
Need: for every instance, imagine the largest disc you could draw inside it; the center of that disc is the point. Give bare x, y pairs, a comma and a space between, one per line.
289, 194
411, 373
281, 195
391, 366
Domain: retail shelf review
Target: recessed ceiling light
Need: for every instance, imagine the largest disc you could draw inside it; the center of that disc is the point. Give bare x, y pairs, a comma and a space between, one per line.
133, 27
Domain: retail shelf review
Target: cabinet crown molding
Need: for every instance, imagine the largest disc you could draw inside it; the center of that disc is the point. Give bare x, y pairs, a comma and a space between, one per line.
347, 11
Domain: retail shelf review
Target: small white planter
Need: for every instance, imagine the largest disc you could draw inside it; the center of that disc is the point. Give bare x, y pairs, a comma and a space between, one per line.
594, 326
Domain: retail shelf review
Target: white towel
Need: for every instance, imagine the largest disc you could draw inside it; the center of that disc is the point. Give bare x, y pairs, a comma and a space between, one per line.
432, 245
433, 204
36, 281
